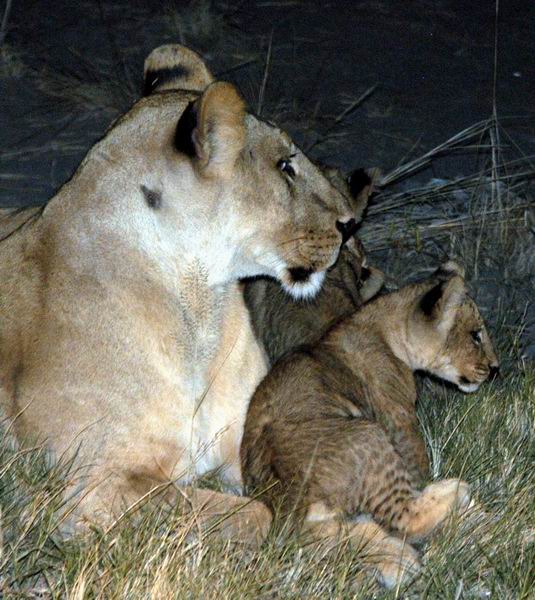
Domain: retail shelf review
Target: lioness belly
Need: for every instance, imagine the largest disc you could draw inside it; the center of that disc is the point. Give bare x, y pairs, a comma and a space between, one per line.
119, 399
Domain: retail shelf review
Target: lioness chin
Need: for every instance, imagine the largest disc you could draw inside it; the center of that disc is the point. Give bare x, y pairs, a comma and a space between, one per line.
332, 430
125, 343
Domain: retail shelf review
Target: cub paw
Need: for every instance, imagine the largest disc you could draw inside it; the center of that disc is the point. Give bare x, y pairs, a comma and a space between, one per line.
435, 503
398, 563
452, 492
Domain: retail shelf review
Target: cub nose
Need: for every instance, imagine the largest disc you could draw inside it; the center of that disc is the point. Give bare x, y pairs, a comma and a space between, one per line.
346, 228
494, 371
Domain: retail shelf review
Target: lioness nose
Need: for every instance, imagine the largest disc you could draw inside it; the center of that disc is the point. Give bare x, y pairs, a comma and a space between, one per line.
346, 228
494, 371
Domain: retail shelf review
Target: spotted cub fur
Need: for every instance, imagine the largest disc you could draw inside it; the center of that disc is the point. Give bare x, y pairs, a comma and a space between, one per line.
332, 430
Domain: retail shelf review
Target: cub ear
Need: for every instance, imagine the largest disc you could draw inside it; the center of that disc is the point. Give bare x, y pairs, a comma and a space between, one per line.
362, 183
450, 268
441, 302
212, 130
372, 281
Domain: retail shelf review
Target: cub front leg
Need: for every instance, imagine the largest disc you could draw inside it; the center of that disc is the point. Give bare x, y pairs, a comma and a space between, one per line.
410, 445
402, 427
428, 509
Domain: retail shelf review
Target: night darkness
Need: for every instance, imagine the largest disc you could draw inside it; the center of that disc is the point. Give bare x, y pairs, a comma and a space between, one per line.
428, 67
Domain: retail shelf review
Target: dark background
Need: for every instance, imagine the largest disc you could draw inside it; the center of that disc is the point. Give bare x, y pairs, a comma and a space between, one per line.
425, 67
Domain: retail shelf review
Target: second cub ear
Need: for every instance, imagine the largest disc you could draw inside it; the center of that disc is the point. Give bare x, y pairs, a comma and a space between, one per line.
212, 130
362, 183
441, 302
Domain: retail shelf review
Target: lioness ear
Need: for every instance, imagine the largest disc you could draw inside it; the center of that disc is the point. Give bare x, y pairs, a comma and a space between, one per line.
361, 185
441, 302
217, 120
175, 67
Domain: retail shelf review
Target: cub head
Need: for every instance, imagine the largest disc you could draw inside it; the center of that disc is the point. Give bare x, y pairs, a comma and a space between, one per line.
449, 333
352, 272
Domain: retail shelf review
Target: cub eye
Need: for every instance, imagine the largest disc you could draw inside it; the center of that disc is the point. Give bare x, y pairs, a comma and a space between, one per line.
476, 336
286, 167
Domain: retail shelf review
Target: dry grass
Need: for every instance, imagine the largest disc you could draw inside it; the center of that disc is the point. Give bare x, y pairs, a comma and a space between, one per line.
487, 438
89, 86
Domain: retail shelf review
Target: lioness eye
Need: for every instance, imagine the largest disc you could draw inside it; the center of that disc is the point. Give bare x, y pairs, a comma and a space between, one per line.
476, 336
286, 167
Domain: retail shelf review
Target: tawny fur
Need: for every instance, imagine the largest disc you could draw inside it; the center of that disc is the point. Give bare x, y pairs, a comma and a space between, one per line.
334, 425
125, 342
175, 67
283, 324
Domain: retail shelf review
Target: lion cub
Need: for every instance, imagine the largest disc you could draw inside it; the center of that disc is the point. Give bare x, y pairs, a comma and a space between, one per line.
282, 323
332, 430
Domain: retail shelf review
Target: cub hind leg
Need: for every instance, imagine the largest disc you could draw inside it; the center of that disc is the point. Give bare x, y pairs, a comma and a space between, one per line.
358, 469
430, 508
391, 559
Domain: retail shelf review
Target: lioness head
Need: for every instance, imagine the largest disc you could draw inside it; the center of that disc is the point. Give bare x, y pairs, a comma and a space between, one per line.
292, 219
448, 332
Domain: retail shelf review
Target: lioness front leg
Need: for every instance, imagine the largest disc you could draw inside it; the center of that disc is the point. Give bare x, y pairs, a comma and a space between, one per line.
238, 519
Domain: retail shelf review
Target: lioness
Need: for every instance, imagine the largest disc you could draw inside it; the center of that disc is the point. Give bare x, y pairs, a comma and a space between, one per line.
280, 322
125, 342
334, 426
